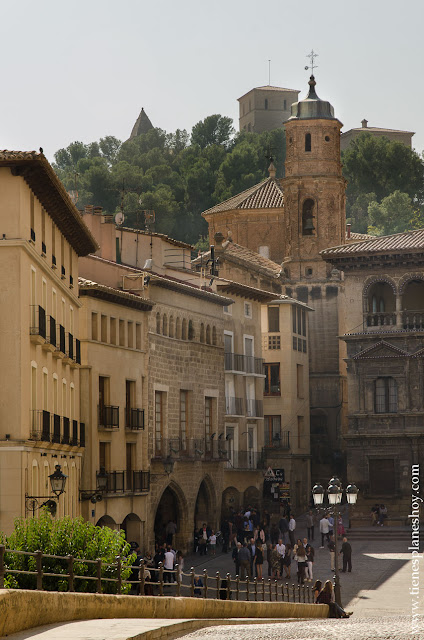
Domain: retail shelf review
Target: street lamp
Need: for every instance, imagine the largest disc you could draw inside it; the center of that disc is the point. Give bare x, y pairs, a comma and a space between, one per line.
95, 495
57, 483
334, 493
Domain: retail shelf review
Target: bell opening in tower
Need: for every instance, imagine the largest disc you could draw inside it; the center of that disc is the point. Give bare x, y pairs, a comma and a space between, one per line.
308, 217
308, 142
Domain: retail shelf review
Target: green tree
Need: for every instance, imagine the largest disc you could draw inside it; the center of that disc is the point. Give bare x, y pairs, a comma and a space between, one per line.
215, 129
394, 214
63, 537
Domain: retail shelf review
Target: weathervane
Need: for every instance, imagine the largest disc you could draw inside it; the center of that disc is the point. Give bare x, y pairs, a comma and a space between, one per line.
312, 56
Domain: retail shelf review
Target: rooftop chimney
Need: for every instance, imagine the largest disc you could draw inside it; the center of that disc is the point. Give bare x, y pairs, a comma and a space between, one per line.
364, 123
348, 230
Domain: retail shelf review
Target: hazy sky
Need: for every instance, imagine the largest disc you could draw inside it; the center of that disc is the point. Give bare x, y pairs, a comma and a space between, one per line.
82, 70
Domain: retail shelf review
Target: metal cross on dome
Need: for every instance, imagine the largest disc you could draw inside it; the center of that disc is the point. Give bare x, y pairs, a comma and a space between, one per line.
312, 57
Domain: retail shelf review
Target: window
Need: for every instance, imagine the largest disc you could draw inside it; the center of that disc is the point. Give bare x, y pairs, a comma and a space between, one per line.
130, 329
191, 333
214, 338
272, 380
171, 327
165, 325
300, 421
184, 330
130, 464
129, 401
113, 331
94, 333
273, 343
228, 309
208, 334
32, 217
137, 335
121, 333
308, 217
208, 424
285, 105
158, 421
104, 455
273, 319
202, 332
103, 328
308, 142
272, 426
385, 395
183, 419
158, 323
248, 309
266, 103
299, 371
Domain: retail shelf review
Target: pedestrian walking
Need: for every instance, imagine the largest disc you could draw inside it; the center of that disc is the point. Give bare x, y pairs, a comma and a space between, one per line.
292, 527
244, 559
310, 525
332, 549
259, 560
170, 531
212, 543
340, 527
236, 558
287, 561
283, 525
300, 557
275, 562
324, 527
346, 551
310, 555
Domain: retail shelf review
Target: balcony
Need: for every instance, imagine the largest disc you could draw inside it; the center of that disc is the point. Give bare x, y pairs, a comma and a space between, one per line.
40, 425
254, 409
134, 418
244, 460
71, 346
66, 435
183, 448
56, 428
239, 363
38, 324
108, 417
413, 320
280, 440
74, 437
234, 406
82, 434
127, 481
77, 351
380, 319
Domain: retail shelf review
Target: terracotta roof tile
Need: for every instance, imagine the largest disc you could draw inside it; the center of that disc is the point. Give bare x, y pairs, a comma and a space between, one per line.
243, 254
408, 240
266, 195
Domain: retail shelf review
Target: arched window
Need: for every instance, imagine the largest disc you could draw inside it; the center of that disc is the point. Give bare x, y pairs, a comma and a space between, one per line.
164, 325
191, 333
178, 328
158, 323
214, 336
308, 217
208, 335
202, 332
171, 327
184, 330
266, 103
385, 395
308, 142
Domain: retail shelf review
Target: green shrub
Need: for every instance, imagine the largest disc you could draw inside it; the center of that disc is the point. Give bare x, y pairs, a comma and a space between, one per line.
64, 537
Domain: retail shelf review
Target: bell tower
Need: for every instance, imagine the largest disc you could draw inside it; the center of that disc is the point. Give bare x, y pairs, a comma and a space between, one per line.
314, 188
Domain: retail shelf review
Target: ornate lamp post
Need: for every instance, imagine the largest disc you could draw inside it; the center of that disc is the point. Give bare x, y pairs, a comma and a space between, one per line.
334, 493
57, 483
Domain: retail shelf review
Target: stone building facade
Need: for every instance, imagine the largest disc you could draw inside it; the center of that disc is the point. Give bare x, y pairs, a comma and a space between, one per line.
265, 108
384, 334
395, 135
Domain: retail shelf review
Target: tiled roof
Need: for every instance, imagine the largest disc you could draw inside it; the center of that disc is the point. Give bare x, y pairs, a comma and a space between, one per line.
408, 240
354, 237
39, 175
155, 234
243, 254
110, 294
266, 195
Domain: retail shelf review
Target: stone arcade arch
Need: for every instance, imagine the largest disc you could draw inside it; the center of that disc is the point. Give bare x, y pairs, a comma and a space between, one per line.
230, 501
205, 507
172, 505
133, 527
107, 521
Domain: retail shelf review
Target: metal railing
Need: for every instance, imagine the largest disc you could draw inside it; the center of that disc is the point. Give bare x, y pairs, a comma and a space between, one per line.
234, 406
40, 425
38, 321
128, 481
108, 417
280, 441
243, 364
413, 320
150, 580
134, 418
254, 408
52, 331
191, 448
244, 460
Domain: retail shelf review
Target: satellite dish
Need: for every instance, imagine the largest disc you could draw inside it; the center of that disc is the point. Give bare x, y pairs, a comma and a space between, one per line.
119, 218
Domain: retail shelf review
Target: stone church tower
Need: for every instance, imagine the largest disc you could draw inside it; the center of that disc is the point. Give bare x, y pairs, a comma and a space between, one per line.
314, 188
307, 217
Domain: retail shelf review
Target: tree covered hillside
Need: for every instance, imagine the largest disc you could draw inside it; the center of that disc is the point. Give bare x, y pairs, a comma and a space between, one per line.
179, 176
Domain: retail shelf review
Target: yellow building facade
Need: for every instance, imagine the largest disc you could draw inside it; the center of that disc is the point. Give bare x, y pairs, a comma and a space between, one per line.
40, 421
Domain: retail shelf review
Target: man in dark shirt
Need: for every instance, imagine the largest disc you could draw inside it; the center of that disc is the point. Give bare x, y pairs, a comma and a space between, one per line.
346, 550
244, 556
284, 529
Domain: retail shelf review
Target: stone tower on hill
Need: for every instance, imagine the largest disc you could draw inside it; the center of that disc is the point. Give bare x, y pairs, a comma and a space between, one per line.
142, 125
291, 221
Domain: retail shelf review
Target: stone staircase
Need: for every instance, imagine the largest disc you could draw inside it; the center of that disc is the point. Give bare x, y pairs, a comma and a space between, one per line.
397, 513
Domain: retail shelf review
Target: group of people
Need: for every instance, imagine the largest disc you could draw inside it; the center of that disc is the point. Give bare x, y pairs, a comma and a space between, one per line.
280, 558
378, 515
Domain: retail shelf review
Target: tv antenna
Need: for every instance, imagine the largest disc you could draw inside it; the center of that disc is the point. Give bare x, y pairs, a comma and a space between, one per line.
312, 57
269, 73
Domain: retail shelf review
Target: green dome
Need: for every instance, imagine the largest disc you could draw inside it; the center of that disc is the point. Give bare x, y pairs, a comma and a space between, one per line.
312, 106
